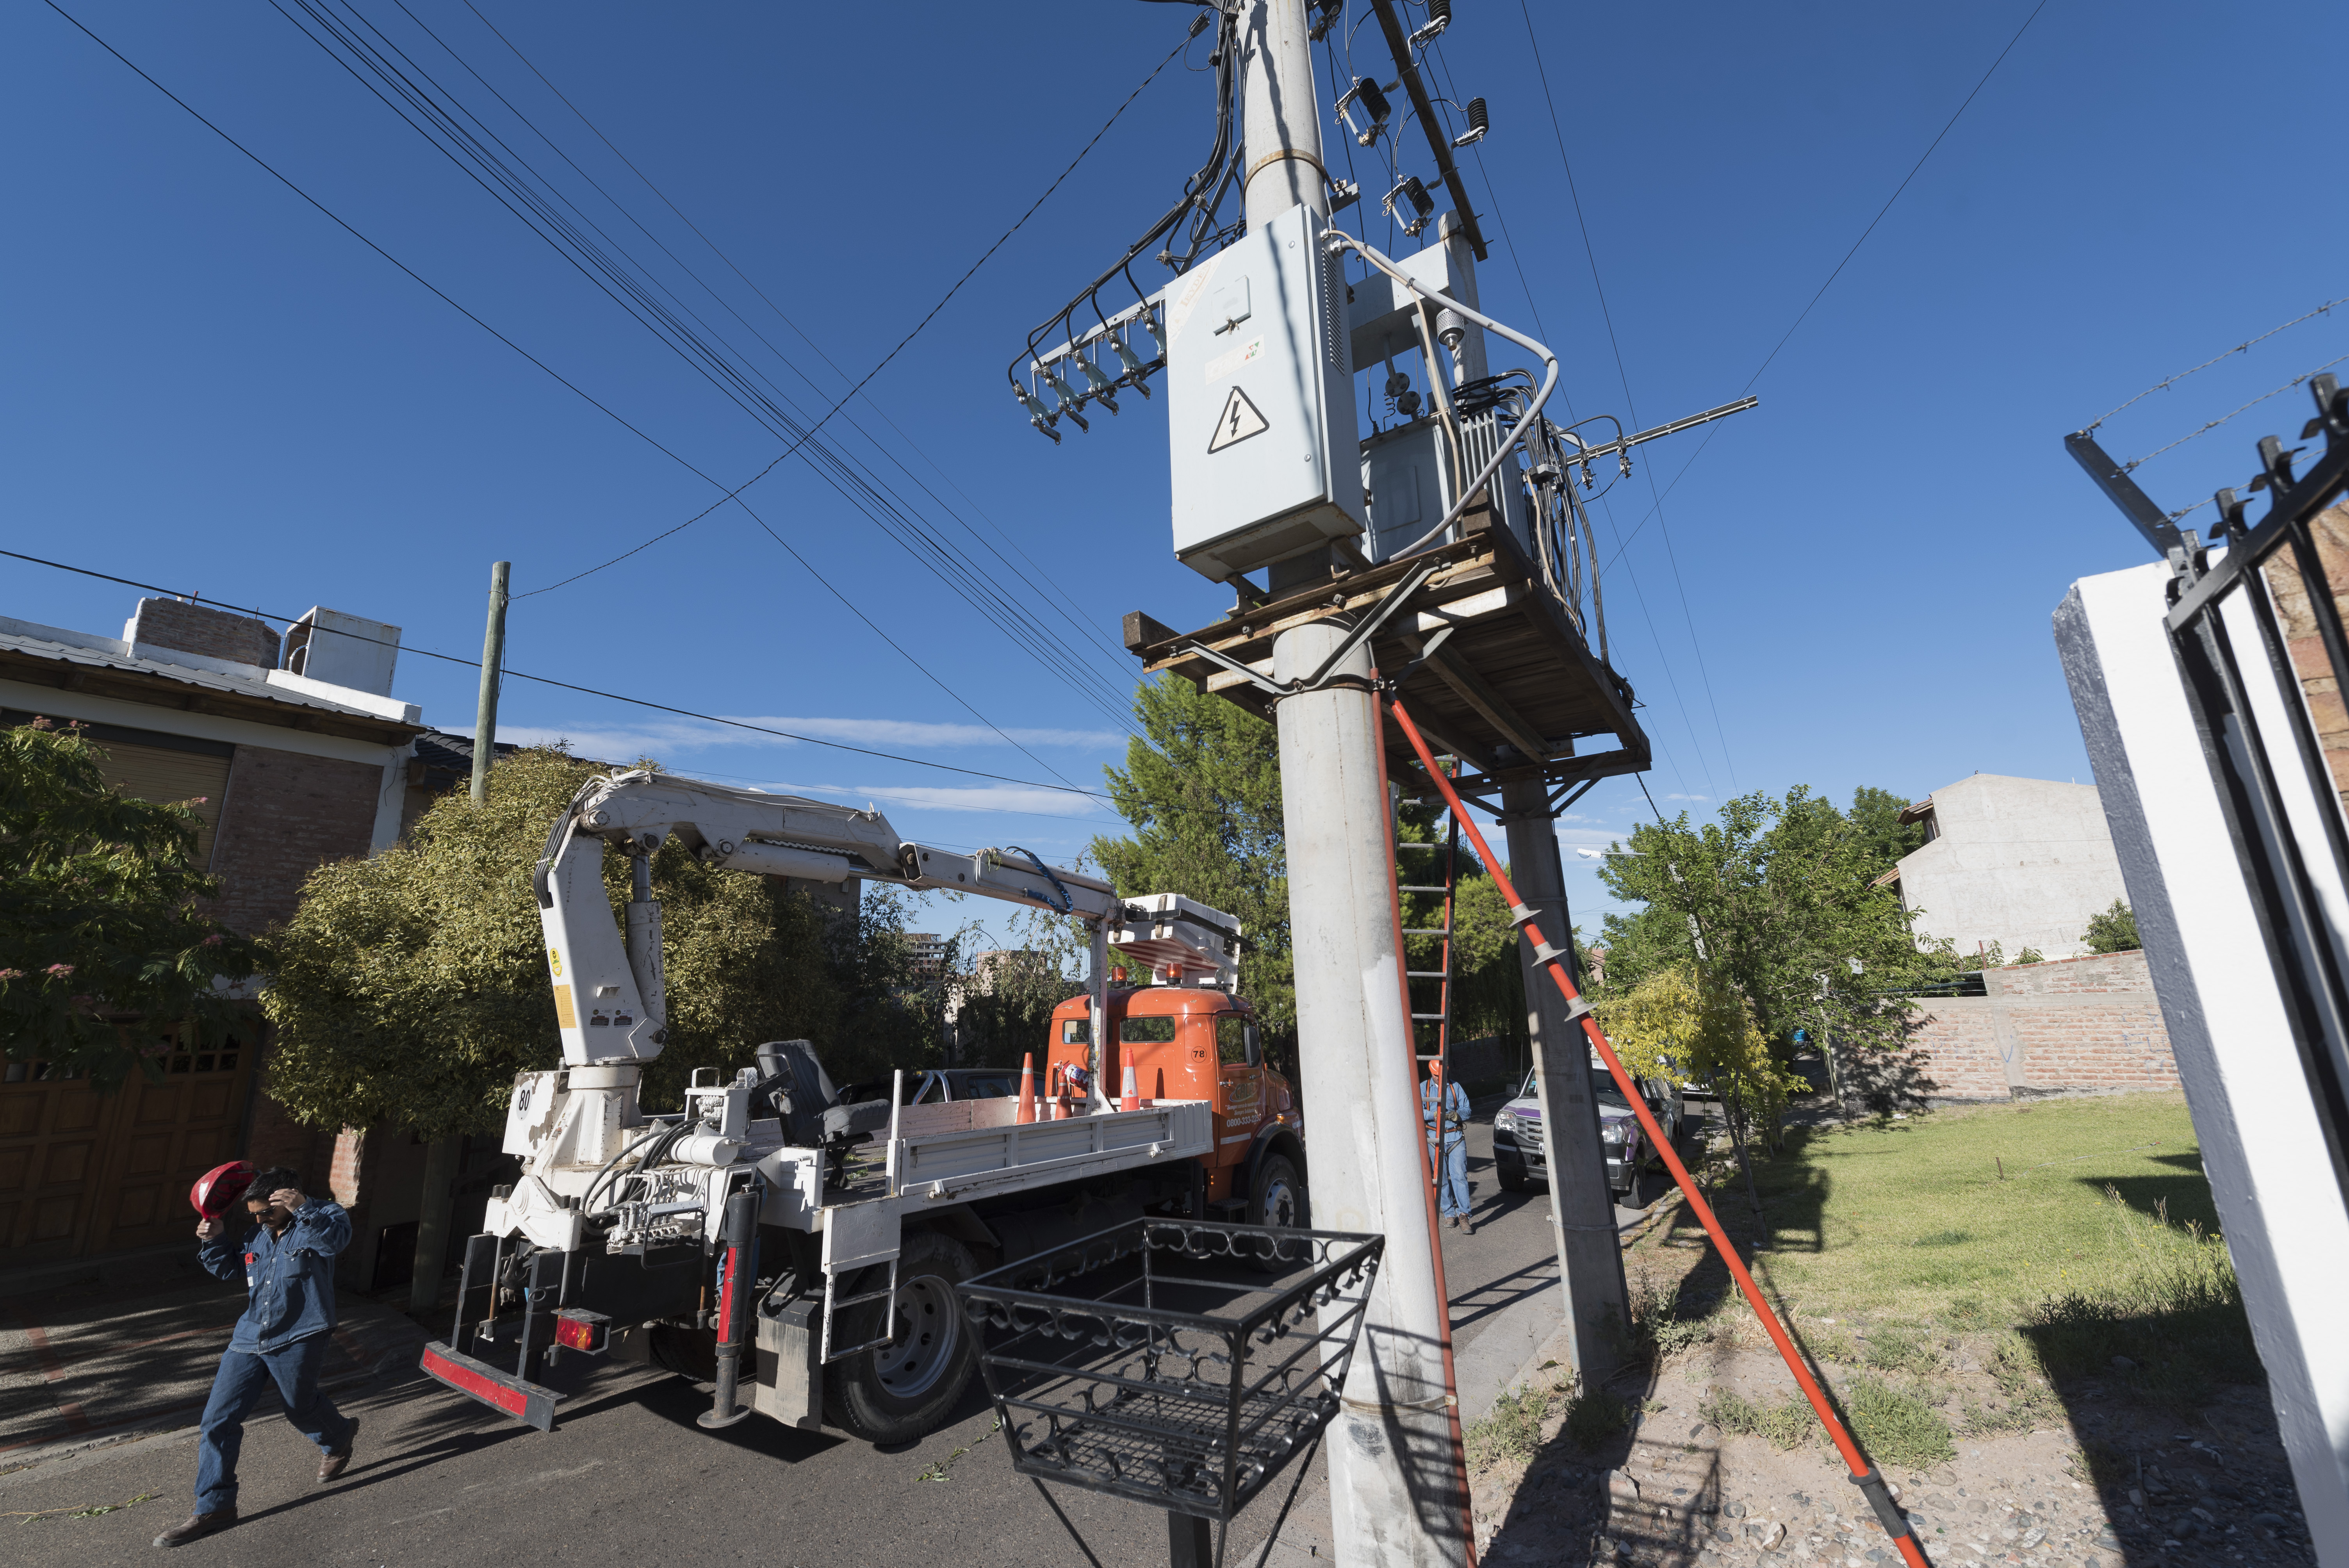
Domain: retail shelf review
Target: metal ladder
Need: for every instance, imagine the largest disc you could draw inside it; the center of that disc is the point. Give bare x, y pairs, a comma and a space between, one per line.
1442, 975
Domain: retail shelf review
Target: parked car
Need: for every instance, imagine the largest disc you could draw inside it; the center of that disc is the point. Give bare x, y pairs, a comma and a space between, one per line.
1521, 1156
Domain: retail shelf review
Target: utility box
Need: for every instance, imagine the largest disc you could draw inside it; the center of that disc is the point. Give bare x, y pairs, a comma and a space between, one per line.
1260, 402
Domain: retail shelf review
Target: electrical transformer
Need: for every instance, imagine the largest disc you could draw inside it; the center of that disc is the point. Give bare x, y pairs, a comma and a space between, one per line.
1260, 402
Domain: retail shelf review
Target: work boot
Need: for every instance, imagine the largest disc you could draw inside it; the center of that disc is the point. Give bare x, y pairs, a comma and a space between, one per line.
194, 1525
333, 1462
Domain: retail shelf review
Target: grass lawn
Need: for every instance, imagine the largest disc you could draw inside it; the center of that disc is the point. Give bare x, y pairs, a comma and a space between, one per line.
1912, 1218
1901, 1252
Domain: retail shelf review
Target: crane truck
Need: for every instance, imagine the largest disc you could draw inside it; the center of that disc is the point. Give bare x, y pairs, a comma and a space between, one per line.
798, 1252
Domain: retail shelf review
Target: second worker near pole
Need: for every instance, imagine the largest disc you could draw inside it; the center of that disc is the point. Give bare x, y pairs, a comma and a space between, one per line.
1443, 1112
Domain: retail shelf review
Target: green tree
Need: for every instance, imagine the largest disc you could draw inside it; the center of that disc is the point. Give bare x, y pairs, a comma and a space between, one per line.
106, 954
1780, 892
2113, 931
1686, 1023
411, 987
1875, 815
1201, 791
1488, 994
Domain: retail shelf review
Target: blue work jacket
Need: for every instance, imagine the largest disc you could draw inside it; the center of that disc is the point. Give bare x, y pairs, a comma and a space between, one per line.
289, 1280
1455, 1109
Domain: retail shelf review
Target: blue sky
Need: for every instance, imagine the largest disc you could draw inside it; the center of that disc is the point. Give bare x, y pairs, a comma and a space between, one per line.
210, 385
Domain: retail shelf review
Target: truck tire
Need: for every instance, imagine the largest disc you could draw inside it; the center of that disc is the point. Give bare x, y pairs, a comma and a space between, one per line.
1511, 1174
896, 1392
1277, 1197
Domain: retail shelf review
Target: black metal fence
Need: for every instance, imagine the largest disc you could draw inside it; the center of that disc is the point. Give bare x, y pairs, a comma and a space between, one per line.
2291, 861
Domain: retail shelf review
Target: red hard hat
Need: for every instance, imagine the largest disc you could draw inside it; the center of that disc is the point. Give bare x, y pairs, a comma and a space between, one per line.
217, 1190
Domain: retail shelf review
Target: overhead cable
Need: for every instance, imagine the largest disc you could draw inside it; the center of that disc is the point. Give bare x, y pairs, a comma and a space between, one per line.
1073, 614
510, 674
1606, 314
531, 199
971, 272
1848, 255
485, 326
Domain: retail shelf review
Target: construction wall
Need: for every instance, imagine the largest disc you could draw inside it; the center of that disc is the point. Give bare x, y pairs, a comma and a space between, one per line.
2086, 1023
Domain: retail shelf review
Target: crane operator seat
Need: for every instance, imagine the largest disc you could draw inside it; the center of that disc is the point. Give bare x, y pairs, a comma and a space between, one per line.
796, 1084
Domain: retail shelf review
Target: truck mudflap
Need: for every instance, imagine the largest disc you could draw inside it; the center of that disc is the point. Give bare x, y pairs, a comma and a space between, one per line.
500, 1390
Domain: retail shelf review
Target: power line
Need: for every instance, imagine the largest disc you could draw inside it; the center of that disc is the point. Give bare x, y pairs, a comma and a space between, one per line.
485, 326
1630, 406
584, 690
1846, 260
1000, 241
1075, 619
629, 290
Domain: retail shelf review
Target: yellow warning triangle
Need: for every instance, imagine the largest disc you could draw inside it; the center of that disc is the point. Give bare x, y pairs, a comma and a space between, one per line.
1236, 423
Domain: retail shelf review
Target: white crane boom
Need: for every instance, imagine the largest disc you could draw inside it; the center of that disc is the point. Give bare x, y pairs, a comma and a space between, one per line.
609, 993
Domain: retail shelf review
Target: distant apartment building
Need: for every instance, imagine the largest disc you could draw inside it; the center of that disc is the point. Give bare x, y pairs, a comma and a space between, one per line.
2021, 862
926, 951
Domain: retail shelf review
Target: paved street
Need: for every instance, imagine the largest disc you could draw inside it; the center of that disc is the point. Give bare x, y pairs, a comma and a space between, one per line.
628, 1477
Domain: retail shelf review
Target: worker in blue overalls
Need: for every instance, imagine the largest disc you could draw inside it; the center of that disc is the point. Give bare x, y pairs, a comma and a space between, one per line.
288, 1264
1443, 1111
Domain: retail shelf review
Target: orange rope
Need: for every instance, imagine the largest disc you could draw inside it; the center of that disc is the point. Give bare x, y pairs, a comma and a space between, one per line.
1863, 1474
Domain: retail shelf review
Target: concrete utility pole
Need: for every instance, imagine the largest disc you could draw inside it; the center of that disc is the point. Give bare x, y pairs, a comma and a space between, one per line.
494, 658
1581, 1208
1394, 1496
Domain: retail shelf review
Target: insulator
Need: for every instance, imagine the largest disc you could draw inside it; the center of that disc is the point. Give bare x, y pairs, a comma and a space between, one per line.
1439, 16
1479, 122
1372, 100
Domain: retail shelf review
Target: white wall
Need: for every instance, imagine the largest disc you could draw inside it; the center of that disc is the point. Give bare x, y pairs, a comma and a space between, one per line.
2024, 862
2271, 1171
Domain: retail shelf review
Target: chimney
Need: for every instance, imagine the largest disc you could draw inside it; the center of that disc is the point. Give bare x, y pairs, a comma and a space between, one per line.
343, 650
201, 629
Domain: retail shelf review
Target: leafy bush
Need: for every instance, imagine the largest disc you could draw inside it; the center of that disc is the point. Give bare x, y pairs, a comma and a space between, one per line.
1787, 1422
1901, 1350
1895, 1426
105, 952
2113, 931
1594, 1417
1513, 1430
1658, 1329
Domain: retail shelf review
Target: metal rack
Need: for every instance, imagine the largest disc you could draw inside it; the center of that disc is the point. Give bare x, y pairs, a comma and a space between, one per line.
1177, 1363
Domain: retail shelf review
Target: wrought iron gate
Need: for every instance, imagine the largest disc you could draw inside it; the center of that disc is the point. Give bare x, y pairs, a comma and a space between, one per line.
2295, 864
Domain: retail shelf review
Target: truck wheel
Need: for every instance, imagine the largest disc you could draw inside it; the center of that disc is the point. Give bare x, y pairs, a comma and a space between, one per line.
896, 1392
1512, 1176
1278, 1199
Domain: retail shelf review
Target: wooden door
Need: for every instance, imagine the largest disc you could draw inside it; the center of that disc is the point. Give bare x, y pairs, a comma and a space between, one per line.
51, 1128
166, 1135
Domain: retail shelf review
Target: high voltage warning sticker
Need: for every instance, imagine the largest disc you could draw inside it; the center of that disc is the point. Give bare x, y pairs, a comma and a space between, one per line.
1236, 423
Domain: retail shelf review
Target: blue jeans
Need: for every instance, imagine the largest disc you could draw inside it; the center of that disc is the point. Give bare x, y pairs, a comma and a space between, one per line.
1450, 1167
236, 1386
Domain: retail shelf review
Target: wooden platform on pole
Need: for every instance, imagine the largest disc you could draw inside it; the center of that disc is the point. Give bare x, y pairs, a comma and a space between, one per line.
1494, 664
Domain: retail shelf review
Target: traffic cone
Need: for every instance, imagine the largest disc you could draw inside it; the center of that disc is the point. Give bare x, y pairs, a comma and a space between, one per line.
1027, 1088
1130, 1097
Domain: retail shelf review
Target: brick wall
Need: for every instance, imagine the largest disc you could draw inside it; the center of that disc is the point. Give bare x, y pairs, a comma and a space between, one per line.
2086, 1023
200, 629
287, 814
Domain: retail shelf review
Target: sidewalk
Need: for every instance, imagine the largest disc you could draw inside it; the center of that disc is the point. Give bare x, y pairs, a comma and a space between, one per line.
88, 1361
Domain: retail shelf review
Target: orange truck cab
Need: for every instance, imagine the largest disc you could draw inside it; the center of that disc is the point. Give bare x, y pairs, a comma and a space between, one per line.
1194, 1043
